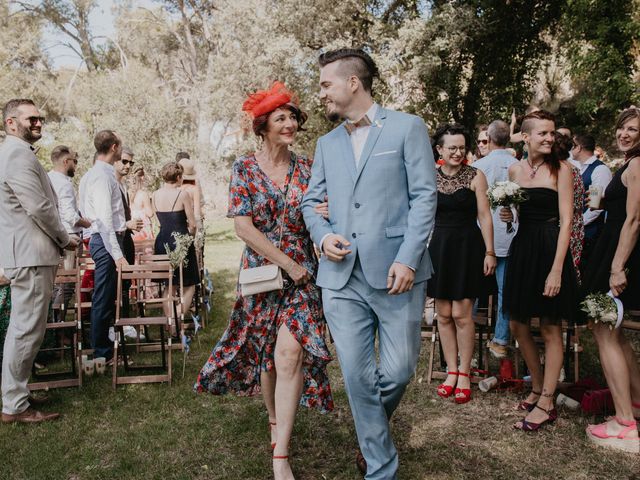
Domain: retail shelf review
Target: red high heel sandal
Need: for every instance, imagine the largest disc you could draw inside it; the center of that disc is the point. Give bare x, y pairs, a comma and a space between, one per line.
463, 395
445, 391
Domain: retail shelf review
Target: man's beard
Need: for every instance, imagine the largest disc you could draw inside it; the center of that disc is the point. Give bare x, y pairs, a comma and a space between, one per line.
71, 173
28, 135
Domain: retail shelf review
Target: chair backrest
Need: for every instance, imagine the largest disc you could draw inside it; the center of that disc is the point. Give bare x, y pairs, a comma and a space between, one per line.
139, 274
144, 246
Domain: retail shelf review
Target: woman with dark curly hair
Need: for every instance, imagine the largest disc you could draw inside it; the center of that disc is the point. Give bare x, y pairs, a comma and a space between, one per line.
462, 256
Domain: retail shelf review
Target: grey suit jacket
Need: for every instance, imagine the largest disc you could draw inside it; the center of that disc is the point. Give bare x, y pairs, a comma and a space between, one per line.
385, 207
30, 226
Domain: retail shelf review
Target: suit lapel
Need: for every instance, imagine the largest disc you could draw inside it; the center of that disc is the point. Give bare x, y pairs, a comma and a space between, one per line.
372, 138
347, 149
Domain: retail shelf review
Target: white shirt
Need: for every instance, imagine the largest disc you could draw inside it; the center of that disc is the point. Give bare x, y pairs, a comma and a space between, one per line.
601, 176
495, 167
67, 203
359, 136
102, 203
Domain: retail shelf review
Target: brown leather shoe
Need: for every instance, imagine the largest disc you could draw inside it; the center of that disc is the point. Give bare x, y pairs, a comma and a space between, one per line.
30, 415
361, 463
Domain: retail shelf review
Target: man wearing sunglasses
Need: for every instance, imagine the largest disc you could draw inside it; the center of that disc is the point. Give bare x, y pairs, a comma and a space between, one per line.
33, 238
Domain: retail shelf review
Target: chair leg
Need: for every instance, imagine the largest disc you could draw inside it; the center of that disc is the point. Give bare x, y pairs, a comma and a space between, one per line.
114, 368
432, 351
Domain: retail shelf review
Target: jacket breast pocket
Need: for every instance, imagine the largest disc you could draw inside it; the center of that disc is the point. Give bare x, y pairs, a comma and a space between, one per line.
395, 231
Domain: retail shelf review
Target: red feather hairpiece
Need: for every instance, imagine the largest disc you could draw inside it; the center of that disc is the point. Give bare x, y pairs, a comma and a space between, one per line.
266, 101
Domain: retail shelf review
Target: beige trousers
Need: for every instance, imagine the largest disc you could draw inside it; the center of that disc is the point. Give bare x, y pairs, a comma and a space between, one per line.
31, 289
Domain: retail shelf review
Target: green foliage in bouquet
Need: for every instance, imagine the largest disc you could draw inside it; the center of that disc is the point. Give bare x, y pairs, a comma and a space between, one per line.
178, 255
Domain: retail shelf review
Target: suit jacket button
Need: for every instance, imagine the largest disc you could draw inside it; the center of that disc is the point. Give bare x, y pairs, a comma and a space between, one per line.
353, 235
357, 205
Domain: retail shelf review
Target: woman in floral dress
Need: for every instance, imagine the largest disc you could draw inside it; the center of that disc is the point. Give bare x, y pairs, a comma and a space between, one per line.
274, 342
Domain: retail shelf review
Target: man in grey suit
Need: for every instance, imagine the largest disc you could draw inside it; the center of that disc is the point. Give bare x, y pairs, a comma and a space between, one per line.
34, 238
378, 172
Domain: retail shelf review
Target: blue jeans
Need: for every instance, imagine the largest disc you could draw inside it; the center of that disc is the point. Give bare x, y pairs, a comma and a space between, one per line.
501, 332
103, 302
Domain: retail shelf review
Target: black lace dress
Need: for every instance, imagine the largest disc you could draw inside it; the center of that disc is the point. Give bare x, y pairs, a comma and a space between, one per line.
530, 259
457, 248
598, 270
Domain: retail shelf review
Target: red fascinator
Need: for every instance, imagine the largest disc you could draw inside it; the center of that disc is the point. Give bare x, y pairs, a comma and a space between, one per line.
266, 101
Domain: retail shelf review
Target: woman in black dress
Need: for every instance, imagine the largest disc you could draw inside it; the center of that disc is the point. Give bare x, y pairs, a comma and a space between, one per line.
540, 280
462, 256
616, 267
174, 209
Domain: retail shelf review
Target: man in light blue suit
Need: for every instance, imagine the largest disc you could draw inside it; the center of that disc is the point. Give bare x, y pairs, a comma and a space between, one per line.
378, 173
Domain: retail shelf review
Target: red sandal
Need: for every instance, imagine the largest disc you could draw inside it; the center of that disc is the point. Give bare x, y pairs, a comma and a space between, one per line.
463, 395
526, 406
445, 391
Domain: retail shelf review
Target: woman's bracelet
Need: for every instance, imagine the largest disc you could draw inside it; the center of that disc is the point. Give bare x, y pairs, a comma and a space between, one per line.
489, 253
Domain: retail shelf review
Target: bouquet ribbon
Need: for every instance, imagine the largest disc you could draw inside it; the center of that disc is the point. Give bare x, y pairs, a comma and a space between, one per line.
619, 308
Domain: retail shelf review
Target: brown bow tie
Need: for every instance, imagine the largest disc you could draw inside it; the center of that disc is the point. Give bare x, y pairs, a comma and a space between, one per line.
352, 126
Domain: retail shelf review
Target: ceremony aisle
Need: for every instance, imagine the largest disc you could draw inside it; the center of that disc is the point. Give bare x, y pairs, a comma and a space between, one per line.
155, 431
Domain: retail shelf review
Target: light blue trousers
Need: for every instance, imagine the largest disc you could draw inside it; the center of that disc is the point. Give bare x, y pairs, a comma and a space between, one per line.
354, 314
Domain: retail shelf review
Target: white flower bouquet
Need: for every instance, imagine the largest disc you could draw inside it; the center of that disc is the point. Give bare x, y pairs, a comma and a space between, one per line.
603, 307
506, 194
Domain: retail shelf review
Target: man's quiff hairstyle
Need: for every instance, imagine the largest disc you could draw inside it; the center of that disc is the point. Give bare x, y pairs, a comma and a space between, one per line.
104, 140
529, 119
353, 62
10, 108
499, 133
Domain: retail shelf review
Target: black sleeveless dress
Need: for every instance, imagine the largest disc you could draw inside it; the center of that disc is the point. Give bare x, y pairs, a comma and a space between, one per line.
176, 221
598, 270
457, 248
530, 260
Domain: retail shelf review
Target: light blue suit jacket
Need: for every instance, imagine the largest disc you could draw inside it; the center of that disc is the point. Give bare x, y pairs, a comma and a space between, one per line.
385, 207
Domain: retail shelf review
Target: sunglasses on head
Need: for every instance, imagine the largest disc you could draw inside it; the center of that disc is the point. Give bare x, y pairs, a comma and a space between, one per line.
128, 162
483, 142
34, 120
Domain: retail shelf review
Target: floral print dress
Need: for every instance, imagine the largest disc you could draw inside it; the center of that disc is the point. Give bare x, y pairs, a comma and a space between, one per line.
247, 346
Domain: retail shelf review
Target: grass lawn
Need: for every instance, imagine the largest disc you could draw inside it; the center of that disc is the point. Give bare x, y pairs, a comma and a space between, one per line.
161, 432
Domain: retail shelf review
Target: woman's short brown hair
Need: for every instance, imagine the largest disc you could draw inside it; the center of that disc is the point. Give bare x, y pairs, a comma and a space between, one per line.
171, 172
260, 122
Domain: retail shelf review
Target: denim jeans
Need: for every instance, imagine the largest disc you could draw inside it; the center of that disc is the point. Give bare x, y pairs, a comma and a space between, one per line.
103, 306
501, 332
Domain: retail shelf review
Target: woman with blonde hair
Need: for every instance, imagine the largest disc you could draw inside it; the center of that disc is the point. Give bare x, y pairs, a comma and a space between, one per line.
141, 208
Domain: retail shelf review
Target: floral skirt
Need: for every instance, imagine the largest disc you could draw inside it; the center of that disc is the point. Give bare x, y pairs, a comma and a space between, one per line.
247, 346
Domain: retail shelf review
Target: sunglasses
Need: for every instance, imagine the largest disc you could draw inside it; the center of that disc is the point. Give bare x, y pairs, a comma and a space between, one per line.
482, 142
34, 120
128, 162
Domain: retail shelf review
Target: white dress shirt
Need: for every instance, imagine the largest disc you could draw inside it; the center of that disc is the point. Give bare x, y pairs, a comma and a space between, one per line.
601, 176
67, 203
359, 136
102, 203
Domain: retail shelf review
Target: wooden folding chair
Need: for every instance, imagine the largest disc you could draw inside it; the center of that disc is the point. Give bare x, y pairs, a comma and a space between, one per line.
86, 269
71, 377
484, 320
429, 332
572, 350
138, 274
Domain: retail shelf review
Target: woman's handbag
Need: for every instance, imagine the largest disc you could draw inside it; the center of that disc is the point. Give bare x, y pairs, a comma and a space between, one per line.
268, 277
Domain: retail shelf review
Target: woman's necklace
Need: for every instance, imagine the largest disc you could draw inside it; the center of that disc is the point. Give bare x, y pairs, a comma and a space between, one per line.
534, 169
